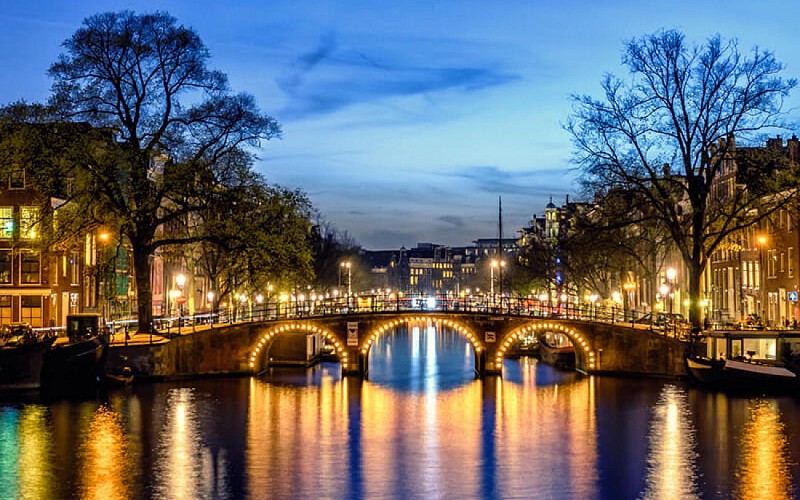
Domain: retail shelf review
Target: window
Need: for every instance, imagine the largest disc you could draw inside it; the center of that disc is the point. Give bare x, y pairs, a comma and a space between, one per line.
772, 259
5, 309
75, 268
31, 310
6, 222
29, 222
29, 267
16, 180
5, 267
790, 261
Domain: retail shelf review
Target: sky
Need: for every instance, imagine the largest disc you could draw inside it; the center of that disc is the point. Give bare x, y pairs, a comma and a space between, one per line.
408, 121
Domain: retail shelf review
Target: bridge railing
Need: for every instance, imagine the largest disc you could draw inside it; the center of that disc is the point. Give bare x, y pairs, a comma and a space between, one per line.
246, 311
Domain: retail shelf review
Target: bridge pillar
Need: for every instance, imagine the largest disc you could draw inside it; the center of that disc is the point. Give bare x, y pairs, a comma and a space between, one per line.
356, 365
485, 364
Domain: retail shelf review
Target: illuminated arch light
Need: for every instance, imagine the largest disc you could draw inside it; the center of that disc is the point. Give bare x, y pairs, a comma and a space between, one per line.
366, 344
300, 327
575, 336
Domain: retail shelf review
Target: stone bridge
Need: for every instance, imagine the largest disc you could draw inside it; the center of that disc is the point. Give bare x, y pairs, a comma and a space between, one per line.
610, 348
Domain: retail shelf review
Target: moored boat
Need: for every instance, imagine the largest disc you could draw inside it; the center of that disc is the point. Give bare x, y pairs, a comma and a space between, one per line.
557, 350
22, 354
79, 362
737, 375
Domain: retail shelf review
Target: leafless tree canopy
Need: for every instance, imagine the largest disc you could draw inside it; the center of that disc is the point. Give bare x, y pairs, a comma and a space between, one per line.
661, 135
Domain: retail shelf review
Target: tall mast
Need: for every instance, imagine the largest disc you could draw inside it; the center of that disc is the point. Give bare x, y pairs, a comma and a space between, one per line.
499, 227
500, 239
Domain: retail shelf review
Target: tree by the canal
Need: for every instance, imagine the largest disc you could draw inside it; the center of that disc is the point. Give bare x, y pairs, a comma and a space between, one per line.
259, 238
179, 129
662, 134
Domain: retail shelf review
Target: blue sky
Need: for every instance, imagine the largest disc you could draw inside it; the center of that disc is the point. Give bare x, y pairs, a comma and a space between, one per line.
404, 121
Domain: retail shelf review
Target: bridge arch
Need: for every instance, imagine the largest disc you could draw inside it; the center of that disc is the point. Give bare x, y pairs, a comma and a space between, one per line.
585, 356
257, 360
478, 347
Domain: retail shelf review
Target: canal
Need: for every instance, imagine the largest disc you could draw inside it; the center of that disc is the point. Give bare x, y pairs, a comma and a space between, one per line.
420, 427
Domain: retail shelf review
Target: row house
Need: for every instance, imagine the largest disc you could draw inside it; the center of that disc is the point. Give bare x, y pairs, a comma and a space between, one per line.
754, 273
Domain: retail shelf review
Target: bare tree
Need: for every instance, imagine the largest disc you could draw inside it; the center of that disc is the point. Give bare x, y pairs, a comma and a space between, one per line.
146, 78
680, 107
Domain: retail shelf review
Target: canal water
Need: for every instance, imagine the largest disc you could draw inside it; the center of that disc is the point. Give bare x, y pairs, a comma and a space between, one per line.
420, 427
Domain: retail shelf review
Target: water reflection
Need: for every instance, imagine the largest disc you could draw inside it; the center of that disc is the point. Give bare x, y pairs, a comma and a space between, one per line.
671, 469
421, 427
26, 449
403, 435
186, 467
763, 470
107, 467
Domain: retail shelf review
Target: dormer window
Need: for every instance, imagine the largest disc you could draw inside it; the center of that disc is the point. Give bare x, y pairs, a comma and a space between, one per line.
16, 180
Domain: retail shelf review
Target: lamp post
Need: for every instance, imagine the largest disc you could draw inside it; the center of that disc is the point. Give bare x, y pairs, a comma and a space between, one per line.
499, 264
348, 266
671, 273
761, 242
629, 288
103, 238
210, 297
592, 299
180, 280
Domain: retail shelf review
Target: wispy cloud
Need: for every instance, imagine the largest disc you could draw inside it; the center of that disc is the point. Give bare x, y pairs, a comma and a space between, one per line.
452, 221
492, 179
329, 77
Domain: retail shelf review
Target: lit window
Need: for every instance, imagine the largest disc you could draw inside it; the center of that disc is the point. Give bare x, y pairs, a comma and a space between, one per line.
6, 222
28, 222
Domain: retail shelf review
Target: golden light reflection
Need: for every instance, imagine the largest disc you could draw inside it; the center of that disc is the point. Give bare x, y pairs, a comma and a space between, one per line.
107, 468
184, 460
556, 424
671, 461
764, 470
281, 422
26, 468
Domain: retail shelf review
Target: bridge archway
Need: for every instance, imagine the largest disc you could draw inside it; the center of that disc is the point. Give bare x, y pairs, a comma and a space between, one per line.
259, 354
478, 347
585, 356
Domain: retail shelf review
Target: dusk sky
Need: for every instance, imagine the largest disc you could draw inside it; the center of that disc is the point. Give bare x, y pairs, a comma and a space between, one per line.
404, 121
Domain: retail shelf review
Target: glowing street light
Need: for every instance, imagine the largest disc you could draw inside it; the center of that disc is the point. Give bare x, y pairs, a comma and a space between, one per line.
346, 265
499, 264
210, 296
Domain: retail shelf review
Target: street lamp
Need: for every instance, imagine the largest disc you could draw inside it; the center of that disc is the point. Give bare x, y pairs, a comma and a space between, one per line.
593, 298
499, 264
180, 281
210, 297
671, 273
761, 242
346, 265
630, 288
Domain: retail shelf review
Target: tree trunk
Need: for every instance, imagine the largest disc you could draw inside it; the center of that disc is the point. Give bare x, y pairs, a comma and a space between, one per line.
144, 293
695, 296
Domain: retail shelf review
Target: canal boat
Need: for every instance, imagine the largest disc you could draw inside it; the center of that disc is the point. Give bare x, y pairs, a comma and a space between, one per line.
79, 362
22, 355
527, 346
555, 349
739, 375
747, 361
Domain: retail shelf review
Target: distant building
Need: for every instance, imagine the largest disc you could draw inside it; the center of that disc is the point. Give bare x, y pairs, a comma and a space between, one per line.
426, 269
